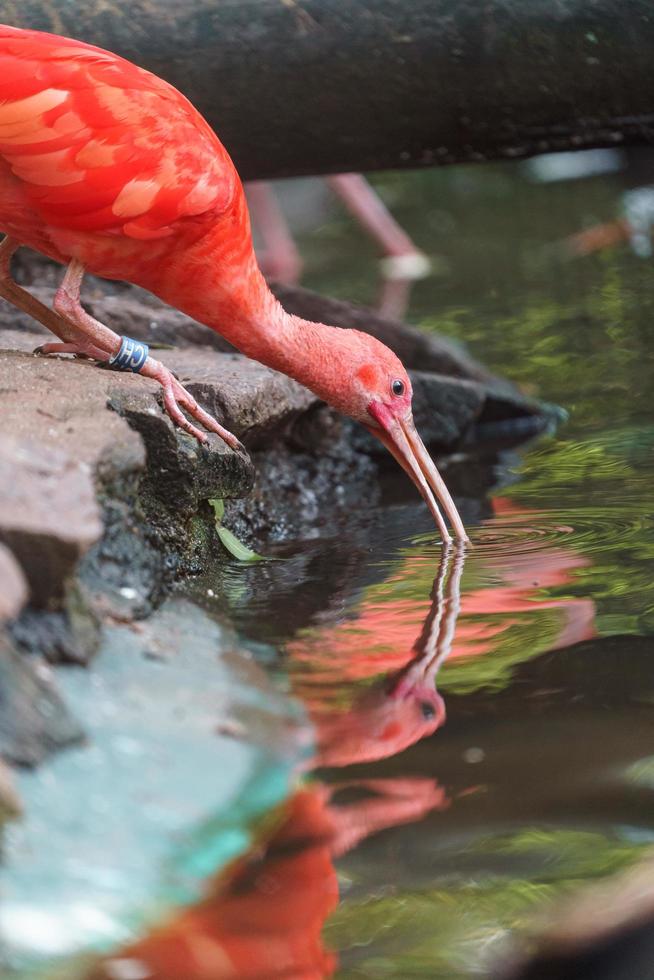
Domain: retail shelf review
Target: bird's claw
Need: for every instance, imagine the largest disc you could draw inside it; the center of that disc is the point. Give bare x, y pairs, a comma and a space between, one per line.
74, 349
175, 395
176, 398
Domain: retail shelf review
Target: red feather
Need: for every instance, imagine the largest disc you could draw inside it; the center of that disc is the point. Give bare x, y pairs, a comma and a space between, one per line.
93, 143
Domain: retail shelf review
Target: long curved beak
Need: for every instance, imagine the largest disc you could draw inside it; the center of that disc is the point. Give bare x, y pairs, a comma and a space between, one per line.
402, 440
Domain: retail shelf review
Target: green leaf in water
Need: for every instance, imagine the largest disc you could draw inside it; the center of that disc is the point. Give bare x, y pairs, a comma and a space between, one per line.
230, 542
235, 547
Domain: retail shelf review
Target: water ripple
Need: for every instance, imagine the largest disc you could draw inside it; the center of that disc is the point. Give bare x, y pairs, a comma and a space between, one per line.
587, 529
590, 529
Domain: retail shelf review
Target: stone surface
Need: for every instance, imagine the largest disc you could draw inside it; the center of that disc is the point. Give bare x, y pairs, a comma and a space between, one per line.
303, 494
13, 587
34, 721
445, 408
49, 515
10, 802
70, 460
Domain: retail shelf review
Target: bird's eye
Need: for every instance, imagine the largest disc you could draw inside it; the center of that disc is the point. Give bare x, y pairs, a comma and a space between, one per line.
427, 710
397, 387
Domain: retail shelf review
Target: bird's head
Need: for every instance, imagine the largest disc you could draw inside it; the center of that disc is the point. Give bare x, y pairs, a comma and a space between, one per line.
364, 379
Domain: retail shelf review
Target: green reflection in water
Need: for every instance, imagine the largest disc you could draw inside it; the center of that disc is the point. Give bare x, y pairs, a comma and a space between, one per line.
457, 929
578, 332
579, 509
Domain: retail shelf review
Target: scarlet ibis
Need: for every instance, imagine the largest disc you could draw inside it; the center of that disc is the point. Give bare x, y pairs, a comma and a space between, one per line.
105, 167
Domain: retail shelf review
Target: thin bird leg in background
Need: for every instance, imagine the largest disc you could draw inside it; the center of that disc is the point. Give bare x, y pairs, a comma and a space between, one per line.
279, 258
95, 340
24, 301
404, 263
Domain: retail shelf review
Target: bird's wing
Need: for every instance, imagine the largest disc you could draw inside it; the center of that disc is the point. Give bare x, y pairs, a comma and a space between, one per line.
100, 145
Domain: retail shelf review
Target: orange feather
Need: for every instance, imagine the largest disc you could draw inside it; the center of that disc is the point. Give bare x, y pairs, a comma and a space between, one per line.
90, 143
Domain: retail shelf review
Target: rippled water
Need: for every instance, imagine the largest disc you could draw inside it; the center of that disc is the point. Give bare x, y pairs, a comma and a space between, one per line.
483, 738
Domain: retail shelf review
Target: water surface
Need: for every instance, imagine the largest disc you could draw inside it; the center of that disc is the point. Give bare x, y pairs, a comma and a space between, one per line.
482, 728
458, 816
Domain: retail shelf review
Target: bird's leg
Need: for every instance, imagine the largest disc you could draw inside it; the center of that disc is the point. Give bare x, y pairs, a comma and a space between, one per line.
175, 394
90, 337
22, 300
403, 262
93, 339
279, 259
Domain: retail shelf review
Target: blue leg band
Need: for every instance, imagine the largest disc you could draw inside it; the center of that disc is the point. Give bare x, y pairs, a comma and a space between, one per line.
131, 357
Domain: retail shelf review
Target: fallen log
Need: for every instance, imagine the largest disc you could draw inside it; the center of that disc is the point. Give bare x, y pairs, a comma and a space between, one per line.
317, 86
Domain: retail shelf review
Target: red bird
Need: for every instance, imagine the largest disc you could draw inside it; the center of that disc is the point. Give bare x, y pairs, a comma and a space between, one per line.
105, 167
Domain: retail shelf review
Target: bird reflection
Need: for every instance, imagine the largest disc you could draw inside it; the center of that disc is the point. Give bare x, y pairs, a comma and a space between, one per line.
404, 706
263, 917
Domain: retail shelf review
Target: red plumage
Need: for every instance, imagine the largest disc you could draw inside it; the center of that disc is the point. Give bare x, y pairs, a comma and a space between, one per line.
94, 144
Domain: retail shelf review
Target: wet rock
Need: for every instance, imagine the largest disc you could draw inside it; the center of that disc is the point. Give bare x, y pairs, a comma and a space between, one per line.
67, 636
451, 412
125, 501
303, 494
13, 595
445, 408
180, 472
64, 444
162, 525
10, 803
49, 515
76, 474
34, 721
13, 587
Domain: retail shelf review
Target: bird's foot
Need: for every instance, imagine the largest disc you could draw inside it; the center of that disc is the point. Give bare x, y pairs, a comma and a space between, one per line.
175, 395
176, 398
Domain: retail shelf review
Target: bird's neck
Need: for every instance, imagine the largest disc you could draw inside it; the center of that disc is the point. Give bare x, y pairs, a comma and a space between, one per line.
301, 349
243, 310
